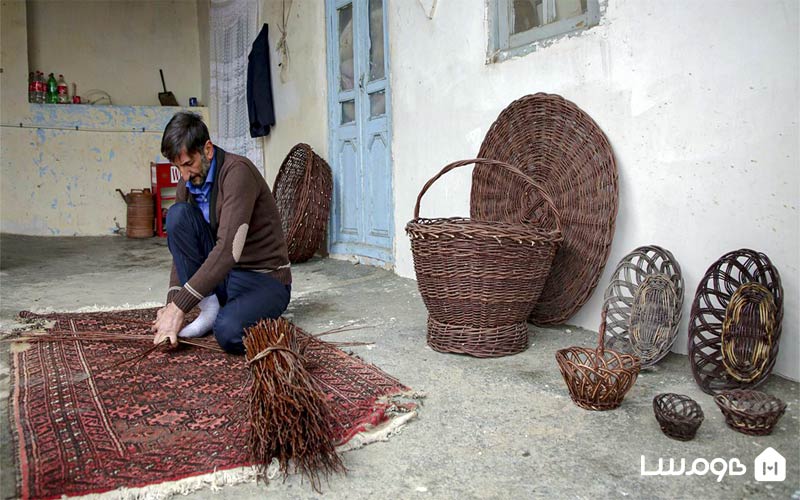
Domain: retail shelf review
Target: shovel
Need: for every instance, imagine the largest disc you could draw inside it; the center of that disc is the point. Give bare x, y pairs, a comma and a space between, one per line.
166, 98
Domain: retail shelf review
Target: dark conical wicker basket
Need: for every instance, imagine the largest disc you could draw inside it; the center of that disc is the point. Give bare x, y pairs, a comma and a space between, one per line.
735, 326
750, 412
679, 416
303, 190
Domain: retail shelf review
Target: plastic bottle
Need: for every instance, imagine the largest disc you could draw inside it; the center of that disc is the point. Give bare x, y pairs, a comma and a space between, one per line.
62, 90
39, 84
31, 87
52, 90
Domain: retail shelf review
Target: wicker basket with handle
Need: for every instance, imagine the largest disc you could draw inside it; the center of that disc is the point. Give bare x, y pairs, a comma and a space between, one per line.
599, 378
480, 279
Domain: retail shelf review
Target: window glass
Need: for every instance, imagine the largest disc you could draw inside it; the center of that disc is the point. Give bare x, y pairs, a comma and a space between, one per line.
346, 69
376, 64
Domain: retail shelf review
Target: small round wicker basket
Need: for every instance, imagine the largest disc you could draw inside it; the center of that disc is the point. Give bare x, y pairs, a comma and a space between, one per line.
679, 416
750, 412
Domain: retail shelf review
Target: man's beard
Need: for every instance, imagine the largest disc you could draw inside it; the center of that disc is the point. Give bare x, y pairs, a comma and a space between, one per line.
205, 166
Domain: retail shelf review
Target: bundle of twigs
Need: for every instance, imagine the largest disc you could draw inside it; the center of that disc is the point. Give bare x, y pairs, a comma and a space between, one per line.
290, 417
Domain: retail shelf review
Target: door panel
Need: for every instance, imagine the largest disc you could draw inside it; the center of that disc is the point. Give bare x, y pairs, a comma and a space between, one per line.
350, 184
362, 221
380, 208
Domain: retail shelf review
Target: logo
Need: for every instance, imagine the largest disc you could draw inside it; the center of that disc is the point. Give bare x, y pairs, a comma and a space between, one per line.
770, 466
699, 467
174, 174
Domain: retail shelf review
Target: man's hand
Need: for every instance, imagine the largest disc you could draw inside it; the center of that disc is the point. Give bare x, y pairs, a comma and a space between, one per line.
167, 325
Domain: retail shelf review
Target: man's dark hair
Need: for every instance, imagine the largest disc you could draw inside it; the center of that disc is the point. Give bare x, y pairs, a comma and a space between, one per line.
184, 130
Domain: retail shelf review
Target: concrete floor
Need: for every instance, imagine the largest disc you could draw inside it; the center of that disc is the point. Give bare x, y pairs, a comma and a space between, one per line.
489, 428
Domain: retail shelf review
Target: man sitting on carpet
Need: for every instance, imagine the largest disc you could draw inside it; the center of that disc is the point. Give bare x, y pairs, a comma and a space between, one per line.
228, 249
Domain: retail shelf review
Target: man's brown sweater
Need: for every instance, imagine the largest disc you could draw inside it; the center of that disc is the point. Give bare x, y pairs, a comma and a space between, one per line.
244, 217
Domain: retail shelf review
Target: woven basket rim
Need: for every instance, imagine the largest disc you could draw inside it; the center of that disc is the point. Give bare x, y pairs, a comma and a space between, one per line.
671, 415
421, 226
726, 401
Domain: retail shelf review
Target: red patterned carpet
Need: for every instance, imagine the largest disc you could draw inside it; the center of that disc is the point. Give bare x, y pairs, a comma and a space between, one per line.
80, 429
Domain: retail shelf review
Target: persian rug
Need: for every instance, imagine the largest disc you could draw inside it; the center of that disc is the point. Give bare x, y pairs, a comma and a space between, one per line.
174, 422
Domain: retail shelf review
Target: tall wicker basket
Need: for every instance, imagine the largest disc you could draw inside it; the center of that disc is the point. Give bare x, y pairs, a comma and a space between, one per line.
480, 279
303, 190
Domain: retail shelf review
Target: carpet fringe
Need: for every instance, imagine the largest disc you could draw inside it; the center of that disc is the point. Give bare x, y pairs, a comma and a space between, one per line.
216, 480
96, 308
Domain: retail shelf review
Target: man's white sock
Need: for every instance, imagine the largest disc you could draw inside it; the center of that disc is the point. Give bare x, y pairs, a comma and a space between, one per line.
209, 307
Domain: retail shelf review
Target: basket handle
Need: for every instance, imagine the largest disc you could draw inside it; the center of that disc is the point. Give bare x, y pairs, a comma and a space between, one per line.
601, 334
514, 170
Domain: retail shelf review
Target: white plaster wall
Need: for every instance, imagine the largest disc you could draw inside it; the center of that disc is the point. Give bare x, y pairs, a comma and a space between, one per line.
118, 46
55, 180
301, 109
203, 29
698, 99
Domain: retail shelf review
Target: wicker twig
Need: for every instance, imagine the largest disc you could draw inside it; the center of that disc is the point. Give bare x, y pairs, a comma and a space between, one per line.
679, 416
290, 417
303, 190
478, 278
566, 153
750, 412
599, 378
643, 301
735, 326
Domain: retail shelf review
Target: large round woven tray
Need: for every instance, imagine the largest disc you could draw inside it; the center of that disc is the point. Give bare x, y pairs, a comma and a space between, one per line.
735, 326
644, 300
303, 190
566, 153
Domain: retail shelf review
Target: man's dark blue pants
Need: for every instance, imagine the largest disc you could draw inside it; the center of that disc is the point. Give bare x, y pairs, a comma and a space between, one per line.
245, 296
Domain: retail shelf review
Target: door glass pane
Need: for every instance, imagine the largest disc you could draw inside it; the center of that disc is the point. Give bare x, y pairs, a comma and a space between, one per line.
377, 104
376, 64
346, 47
348, 112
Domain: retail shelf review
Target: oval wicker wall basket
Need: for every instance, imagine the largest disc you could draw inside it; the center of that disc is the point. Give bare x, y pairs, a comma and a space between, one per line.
750, 412
643, 301
566, 153
735, 326
599, 378
303, 190
479, 279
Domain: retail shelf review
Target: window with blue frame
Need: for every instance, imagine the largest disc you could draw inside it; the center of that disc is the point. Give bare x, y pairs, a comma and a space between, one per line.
516, 26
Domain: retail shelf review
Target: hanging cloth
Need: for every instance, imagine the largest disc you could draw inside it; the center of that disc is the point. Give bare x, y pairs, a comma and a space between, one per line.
234, 26
260, 105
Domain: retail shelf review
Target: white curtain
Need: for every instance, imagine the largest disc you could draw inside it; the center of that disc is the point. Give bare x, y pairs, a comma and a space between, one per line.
234, 27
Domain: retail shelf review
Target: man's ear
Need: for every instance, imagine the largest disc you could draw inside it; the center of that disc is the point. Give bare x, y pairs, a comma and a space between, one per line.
208, 150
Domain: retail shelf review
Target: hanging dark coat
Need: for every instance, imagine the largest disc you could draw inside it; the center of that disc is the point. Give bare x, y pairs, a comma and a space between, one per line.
260, 105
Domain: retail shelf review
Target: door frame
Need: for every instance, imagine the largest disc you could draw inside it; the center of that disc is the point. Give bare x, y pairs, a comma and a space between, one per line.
379, 256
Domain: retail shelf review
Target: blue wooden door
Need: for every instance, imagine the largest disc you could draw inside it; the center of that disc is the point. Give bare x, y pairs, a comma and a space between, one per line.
359, 122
